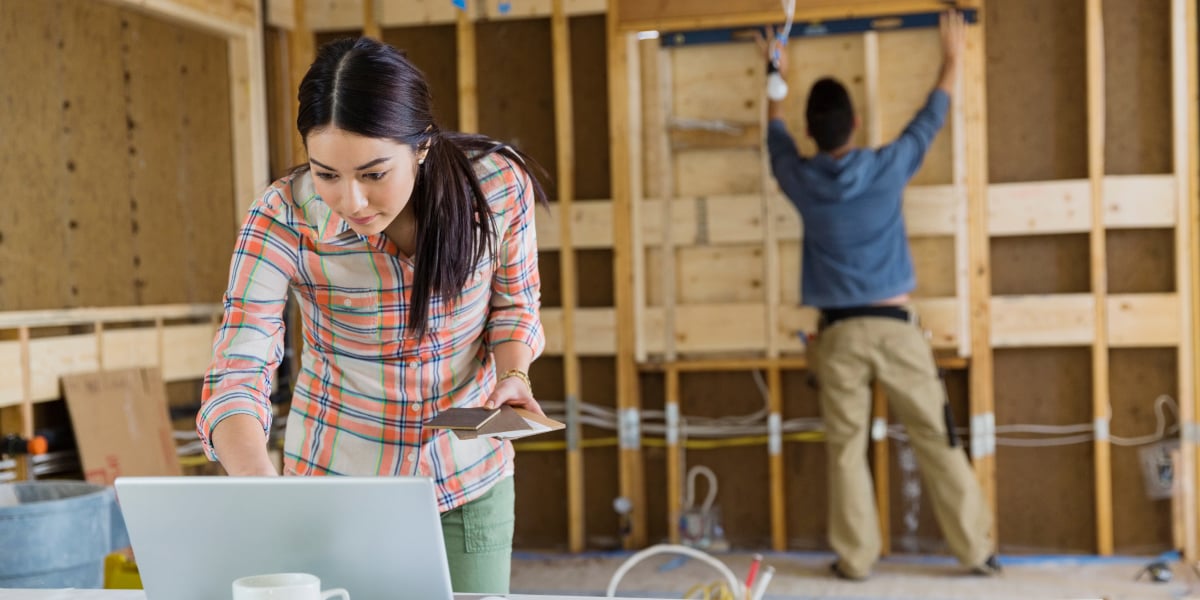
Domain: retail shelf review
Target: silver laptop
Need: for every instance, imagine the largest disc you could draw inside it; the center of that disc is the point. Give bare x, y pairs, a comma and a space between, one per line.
380, 538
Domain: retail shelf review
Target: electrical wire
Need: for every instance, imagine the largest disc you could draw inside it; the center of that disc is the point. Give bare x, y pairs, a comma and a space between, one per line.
731, 580
707, 433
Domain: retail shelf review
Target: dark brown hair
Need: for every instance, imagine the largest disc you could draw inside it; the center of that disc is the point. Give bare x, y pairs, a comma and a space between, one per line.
370, 88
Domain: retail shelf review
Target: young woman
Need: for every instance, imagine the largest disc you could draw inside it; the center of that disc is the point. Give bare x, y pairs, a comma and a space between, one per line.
412, 254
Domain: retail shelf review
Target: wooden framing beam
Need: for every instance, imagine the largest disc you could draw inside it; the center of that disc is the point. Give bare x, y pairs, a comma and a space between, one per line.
301, 52
879, 447
1013, 209
638, 15
564, 131
1099, 277
35, 364
674, 456
622, 49
1185, 105
981, 383
468, 85
666, 186
775, 462
370, 20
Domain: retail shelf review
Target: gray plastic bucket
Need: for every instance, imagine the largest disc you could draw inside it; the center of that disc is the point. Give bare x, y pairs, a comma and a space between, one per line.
56, 534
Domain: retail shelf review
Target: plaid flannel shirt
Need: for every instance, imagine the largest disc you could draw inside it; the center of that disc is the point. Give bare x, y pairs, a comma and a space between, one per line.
365, 388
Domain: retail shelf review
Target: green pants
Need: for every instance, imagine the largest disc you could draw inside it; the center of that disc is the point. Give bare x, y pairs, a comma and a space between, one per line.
479, 538
850, 355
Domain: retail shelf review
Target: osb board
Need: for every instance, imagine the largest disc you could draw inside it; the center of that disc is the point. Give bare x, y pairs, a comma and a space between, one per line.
516, 88
742, 471
914, 528
593, 275
84, 79
933, 261
1140, 260
1040, 265
1045, 386
909, 62
280, 97
654, 460
32, 90
601, 485
1136, 379
811, 59
1137, 87
206, 173
589, 103
433, 49
717, 83
95, 192
1036, 90
542, 516
805, 487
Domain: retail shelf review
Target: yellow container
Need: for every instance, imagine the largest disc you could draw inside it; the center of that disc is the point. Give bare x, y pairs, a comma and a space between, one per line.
121, 573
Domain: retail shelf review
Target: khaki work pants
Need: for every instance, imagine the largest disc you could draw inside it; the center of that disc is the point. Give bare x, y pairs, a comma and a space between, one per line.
851, 354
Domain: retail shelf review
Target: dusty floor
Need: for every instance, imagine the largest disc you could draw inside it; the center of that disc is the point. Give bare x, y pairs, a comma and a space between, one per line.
804, 576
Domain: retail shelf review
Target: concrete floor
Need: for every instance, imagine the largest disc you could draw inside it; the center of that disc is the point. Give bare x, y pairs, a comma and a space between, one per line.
804, 576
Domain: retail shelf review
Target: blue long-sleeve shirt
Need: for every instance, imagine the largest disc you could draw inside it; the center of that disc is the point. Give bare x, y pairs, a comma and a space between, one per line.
855, 244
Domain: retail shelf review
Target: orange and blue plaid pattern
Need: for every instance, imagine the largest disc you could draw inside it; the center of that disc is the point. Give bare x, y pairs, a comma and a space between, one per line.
365, 386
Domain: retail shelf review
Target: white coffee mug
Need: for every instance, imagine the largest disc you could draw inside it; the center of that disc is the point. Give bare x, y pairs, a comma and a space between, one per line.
284, 586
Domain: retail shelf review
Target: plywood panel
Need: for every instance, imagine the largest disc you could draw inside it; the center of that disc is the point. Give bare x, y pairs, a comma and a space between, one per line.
717, 83
154, 131
519, 79
1141, 261
589, 93
717, 275
32, 98
1141, 526
738, 469
206, 194
807, 496
811, 59
97, 192
909, 62
933, 261
1137, 59
1040, 264
1035, 90
1049, 386
433, 50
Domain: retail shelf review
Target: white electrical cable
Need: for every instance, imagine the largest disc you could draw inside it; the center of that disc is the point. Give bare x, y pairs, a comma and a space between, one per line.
691, 488
735, 586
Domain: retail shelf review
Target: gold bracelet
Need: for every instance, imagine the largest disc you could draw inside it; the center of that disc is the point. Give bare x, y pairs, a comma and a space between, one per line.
519, 374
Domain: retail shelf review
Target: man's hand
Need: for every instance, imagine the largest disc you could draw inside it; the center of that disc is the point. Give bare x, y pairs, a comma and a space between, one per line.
954, 35
954, 40
772, 49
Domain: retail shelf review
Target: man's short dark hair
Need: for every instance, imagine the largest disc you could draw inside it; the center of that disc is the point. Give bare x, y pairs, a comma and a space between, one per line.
830, 114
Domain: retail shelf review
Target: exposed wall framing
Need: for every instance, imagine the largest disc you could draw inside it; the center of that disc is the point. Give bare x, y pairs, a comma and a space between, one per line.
993, 199
157, 109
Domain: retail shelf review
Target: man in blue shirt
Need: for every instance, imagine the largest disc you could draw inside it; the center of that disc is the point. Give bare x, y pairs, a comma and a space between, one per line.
857, 269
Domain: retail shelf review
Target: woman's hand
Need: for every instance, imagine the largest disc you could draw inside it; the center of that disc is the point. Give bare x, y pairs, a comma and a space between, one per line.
514, 392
